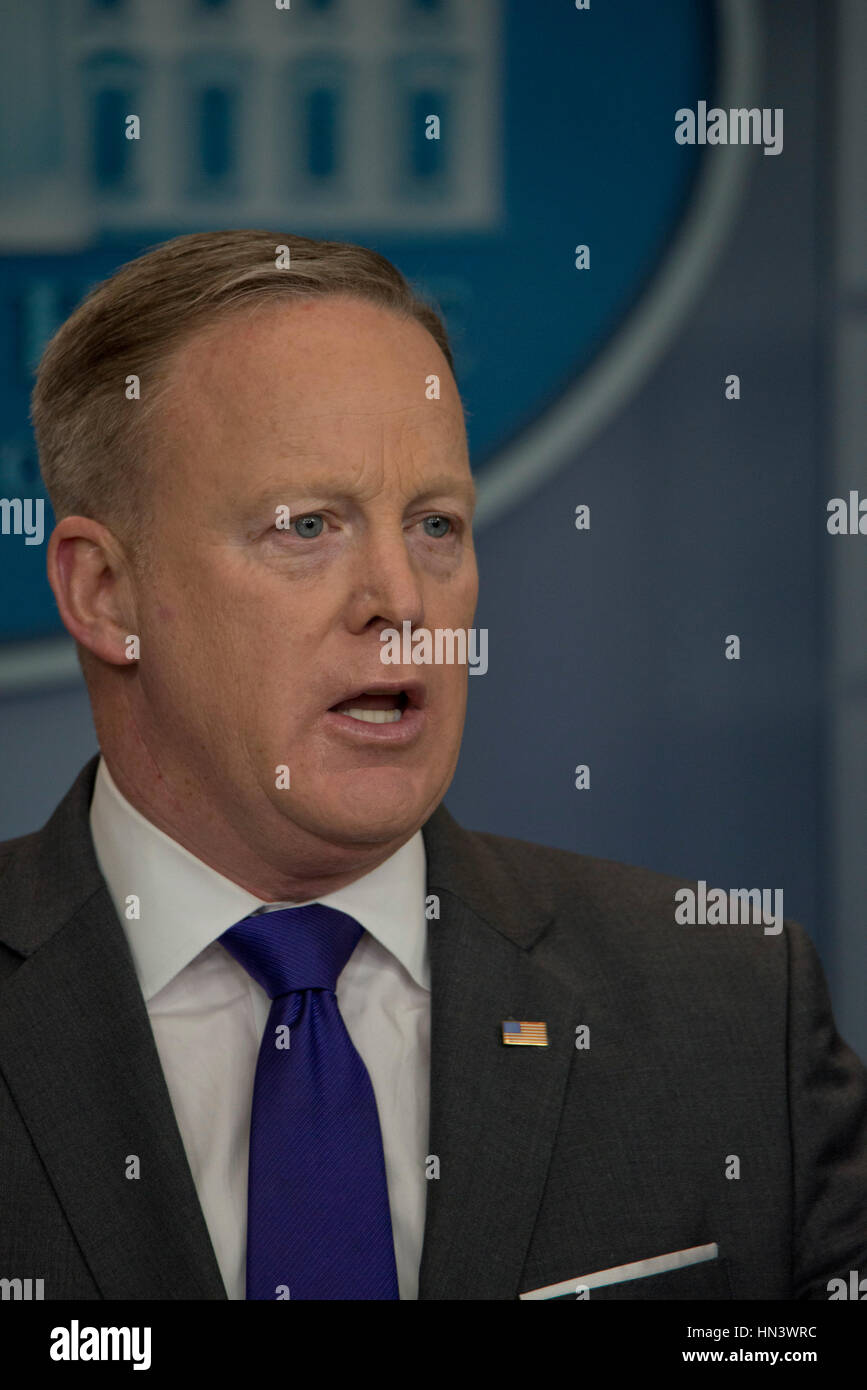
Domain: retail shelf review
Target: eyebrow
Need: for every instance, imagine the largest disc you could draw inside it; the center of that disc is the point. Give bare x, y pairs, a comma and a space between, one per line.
463, 487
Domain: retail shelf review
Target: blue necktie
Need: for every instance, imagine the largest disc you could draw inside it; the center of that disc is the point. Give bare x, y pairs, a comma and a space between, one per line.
318, 1219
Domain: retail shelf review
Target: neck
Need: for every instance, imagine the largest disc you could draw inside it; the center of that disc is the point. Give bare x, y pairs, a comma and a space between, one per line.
298, 865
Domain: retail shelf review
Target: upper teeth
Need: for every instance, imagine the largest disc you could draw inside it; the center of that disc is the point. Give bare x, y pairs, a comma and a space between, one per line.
375, 716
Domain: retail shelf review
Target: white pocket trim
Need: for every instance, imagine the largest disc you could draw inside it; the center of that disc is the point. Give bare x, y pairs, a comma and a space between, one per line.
618, 1274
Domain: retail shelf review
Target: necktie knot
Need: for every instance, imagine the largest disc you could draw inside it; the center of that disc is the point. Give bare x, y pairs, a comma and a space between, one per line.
294, 948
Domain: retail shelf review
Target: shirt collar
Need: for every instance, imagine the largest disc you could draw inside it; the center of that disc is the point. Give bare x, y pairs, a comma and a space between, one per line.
184, 904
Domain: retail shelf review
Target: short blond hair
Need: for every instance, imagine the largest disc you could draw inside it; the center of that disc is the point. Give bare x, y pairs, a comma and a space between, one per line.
92, 442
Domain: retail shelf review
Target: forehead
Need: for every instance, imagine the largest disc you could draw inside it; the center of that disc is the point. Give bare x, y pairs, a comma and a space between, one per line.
306, 397
305, 365
329, 393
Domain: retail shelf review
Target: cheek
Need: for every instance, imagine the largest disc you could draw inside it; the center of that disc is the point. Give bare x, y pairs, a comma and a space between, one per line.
468, 595
215, 618
194, 645
454, 694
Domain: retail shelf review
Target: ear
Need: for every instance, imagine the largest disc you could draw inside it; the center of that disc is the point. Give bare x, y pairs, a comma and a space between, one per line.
89, 575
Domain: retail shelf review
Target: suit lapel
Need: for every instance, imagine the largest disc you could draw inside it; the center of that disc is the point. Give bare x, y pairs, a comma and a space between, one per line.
78, 1055
494, 1108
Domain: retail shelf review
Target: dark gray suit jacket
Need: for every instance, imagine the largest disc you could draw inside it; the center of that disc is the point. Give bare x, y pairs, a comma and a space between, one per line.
705, 1043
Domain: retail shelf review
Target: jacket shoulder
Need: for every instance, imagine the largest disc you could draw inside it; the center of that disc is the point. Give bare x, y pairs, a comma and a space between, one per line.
563, 878
21, 843
627, 917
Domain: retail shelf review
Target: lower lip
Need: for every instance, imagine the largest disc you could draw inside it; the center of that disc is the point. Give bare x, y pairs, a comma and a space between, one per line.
403, 730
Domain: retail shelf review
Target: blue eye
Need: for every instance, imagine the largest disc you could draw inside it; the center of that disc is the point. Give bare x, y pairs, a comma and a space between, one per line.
308, 526
438, 522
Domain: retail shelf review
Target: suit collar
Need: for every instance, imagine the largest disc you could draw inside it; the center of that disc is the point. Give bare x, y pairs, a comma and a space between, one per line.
471, 867
57, 870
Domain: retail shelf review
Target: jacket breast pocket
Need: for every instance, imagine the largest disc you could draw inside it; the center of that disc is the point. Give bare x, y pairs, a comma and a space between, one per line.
708, 1280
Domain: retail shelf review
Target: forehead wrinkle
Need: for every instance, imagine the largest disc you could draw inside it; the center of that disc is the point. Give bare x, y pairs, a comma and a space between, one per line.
448, 426
355, 414
362, 476
382, 437
440, 416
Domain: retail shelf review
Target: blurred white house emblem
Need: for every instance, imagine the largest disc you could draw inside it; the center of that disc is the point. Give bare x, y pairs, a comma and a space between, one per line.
516, 161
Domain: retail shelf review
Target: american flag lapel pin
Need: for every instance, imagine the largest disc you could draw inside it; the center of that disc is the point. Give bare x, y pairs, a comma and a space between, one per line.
525, 1034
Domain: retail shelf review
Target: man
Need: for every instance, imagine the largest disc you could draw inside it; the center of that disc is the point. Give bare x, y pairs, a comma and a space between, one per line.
260, 993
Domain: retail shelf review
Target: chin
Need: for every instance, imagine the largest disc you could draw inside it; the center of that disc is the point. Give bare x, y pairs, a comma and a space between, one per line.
381, 808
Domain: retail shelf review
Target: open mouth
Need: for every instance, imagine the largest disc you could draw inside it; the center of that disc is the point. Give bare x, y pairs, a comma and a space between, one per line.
377, 706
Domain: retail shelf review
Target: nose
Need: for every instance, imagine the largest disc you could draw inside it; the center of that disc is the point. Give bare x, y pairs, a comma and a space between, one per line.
388, 591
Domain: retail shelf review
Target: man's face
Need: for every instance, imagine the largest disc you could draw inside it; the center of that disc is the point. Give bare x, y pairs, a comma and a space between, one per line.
252, 635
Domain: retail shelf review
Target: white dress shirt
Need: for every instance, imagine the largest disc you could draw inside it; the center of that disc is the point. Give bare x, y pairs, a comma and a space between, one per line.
208, 1015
